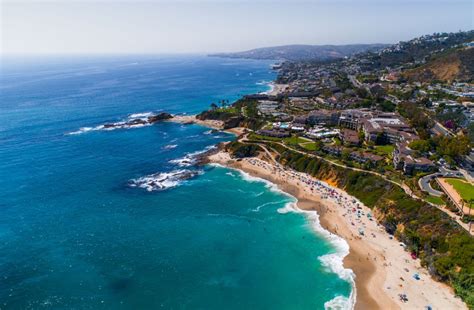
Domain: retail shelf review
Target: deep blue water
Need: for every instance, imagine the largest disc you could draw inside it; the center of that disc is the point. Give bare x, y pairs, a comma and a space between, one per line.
76, 234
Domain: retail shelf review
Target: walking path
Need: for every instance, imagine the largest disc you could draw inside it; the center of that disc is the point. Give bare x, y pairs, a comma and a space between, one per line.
403, 186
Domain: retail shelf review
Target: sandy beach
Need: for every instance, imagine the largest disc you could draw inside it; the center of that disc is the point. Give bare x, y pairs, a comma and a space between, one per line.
276, 89
383, 269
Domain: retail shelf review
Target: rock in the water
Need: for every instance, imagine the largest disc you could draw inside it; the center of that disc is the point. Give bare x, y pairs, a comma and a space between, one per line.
136, 121
159, 117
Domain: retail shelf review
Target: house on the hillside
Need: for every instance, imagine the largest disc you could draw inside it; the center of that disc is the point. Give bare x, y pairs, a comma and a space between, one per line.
349, 137
403, 159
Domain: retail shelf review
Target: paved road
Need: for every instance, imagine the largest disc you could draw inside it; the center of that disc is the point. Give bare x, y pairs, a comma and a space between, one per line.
424, 184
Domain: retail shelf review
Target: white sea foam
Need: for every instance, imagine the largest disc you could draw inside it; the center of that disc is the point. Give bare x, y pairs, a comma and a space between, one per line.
86, 129
271, 186
163, 180
117, 125
257, 209
338, 303
170, 146
190, 159
271, 87
141, 115
332, 262
247, 177
289, 207
125, 124
81, 130
184, 161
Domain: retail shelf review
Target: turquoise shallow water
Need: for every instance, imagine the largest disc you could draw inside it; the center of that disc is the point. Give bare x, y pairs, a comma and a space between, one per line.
76, 232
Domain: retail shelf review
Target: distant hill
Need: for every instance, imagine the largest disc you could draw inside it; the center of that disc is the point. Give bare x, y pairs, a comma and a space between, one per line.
455, 64
418, 50
304, 52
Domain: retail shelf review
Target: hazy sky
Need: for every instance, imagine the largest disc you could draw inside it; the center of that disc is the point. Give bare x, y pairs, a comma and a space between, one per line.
159, 26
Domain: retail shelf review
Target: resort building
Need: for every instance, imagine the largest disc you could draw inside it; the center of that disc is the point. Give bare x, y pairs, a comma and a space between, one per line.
387, 128
349, 137
403, 159
352, 118
274, 133
364, 158
323, 117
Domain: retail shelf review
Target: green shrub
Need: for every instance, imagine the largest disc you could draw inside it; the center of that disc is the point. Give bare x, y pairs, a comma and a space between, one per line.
445, 248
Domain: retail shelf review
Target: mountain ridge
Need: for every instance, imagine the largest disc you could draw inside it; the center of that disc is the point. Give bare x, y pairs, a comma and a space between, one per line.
303, 52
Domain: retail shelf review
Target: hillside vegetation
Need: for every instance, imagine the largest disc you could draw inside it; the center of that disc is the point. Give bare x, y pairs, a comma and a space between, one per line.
445, 249
454, 65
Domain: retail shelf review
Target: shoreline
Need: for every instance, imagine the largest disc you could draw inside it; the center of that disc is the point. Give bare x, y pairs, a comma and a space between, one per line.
313, 217
275, 89
382, 268
213, 124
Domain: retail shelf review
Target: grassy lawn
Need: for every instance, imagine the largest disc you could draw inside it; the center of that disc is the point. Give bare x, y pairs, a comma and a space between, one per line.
294, 140
465, 189
310, 146
435, 200
254, 136
384, 150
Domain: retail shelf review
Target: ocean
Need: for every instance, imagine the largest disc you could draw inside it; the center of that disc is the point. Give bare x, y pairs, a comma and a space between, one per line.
92, 218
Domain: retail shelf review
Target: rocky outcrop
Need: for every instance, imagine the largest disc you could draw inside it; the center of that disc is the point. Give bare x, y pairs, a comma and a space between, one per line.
133, 122
159, 117
233, 122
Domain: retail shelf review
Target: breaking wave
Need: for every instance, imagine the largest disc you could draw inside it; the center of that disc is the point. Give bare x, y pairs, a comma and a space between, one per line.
143, 115
190, 159
136, 120
289, 207
338, 303
270, 85
163, 180
331, 262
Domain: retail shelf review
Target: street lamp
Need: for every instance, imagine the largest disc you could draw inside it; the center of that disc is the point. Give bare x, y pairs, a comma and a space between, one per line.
471, 201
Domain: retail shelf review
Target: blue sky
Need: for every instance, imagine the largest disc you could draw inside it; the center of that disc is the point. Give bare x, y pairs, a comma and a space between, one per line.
185, 26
